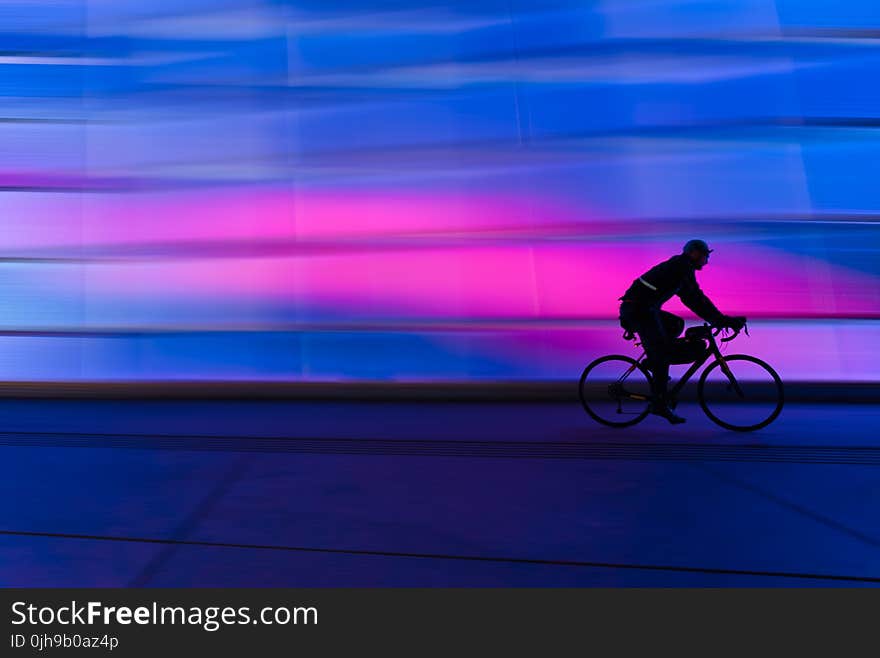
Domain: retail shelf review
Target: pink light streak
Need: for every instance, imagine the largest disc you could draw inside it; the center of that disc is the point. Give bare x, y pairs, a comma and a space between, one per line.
448, 261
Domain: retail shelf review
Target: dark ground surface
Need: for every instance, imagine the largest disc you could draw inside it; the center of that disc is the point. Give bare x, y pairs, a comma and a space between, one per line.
300, 494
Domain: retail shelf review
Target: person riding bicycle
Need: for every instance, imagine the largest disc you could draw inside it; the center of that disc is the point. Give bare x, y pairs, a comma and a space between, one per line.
640, 313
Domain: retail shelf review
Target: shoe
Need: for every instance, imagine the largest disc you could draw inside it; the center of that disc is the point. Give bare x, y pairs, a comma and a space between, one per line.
662, 409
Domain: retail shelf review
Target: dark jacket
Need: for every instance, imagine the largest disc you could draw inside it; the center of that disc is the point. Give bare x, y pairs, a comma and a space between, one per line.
671, 277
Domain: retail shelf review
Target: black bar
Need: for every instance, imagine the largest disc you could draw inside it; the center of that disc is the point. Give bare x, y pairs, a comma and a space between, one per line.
413, 622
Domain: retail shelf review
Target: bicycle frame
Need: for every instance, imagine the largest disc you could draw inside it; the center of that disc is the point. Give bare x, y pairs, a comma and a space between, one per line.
695, 366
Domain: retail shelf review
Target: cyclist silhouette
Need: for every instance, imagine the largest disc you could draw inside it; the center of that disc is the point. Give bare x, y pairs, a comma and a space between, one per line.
640, 313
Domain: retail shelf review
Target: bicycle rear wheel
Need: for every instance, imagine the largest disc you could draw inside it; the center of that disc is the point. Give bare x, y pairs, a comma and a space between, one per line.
740, 393
615, 390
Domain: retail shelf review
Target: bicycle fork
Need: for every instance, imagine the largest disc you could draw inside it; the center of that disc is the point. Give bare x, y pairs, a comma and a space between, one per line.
733, 384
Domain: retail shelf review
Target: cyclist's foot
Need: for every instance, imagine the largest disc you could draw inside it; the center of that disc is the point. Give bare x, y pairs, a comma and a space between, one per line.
662, 409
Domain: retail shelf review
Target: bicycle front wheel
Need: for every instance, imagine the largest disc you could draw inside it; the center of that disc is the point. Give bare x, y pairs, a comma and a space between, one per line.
740, 393
616, 391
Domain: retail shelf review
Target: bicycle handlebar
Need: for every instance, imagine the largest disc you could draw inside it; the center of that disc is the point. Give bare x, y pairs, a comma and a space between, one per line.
735, 333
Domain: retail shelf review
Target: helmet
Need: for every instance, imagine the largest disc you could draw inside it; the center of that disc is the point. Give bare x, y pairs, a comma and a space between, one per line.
699, 245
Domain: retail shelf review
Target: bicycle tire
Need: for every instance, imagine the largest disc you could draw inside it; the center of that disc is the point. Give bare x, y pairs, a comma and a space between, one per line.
780, 394
585, 399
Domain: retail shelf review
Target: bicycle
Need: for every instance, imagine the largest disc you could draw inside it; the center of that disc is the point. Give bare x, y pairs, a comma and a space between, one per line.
615, 390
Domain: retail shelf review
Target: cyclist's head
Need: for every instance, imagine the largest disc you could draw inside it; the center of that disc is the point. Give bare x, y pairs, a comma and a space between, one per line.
698, 252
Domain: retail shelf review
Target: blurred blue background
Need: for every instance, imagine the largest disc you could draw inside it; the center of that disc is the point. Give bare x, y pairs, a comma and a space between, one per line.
420, 191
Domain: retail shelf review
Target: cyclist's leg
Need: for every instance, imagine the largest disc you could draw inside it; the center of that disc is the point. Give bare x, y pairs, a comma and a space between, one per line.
657, 346
673, 325
652, 333
636, 318
679, 350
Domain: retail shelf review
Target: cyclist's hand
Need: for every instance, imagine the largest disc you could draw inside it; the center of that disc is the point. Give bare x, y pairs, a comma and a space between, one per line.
735, 322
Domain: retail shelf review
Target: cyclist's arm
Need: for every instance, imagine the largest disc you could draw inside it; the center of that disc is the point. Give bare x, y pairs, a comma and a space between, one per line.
695, 299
